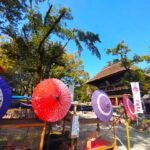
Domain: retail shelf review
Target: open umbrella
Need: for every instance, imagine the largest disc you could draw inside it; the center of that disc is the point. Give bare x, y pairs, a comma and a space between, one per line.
129, 107
5, 97
102, 105
51, 100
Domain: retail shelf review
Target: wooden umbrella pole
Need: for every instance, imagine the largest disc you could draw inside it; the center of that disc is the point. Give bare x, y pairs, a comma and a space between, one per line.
48, 138
72, 144
42, 137
127, 132
114, 127
64, 124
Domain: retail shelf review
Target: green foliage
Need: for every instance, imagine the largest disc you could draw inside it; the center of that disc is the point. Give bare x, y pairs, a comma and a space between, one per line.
132, 73
84, 92
147, 70
121, 50
11, 11
31, 32
5, 62
72, 71
138, 58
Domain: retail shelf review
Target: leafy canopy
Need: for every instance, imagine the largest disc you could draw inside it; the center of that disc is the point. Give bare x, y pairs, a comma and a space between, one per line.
32, 48
133, 73
32, 32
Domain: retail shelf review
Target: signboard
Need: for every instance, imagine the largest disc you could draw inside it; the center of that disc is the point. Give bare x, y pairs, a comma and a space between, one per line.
136, 97
75, 127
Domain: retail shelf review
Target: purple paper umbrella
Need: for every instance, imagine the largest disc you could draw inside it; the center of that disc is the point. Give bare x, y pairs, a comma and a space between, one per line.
5, 96
102, 105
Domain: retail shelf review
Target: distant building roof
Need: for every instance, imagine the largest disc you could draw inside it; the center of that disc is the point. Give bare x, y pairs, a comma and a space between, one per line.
108, 71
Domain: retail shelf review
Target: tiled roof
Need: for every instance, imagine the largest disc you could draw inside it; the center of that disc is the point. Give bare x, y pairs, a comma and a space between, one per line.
108, 71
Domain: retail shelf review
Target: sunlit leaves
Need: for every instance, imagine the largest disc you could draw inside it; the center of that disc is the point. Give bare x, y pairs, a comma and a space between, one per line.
72, 71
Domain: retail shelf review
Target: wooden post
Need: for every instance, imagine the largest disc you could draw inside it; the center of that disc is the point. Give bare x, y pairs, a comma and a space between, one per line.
73, 140
98, 128
114, 127
64, 124
42, 137
116, 101
127, 132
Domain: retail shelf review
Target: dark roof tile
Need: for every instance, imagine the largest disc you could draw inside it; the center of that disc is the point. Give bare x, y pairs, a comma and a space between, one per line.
107, 71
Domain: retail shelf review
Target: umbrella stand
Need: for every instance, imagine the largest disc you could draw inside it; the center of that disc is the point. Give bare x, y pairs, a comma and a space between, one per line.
129, 113
127, 128
51, 100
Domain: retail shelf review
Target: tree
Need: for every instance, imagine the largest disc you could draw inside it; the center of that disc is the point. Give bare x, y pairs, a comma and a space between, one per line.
121, 50
32, 38
72, 71
83, 93
133, 73
5, 62
11, 12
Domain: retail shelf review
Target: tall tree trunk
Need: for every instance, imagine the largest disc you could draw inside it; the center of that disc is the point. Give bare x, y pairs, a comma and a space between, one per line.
37, 75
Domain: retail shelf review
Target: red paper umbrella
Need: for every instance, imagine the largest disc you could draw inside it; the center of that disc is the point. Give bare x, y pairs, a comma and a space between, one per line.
51, 100
129, 107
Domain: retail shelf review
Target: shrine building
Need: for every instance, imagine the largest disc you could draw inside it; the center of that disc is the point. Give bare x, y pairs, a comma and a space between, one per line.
109, 80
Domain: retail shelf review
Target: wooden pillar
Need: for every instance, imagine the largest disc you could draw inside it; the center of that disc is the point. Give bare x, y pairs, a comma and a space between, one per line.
116, 101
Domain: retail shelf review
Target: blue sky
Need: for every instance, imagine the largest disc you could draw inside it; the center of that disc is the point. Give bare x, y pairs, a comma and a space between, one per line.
114, 21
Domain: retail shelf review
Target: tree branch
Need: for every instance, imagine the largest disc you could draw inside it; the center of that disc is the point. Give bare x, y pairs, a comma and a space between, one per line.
50, 30
66, 43
47, 14
49, 65
33, 20
30, 4
25, 35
